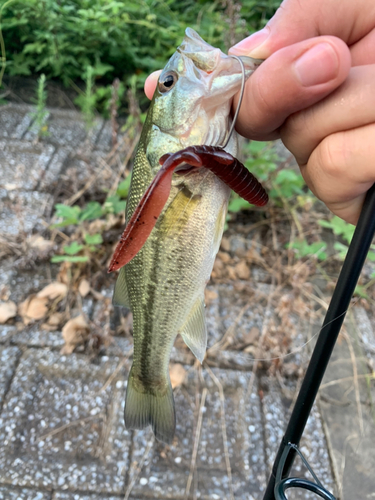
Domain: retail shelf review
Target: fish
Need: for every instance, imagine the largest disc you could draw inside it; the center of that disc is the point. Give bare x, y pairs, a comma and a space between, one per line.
163, 284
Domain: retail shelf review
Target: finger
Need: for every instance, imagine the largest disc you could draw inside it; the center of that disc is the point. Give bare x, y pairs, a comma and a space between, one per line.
341, 170
292, 79
295, 21
363, 51
151, 82
352, 105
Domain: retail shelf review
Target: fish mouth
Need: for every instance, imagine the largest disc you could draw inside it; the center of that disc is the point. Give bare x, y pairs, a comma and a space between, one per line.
184, 169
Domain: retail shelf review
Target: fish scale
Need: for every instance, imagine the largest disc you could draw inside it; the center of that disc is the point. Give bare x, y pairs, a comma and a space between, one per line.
164, 283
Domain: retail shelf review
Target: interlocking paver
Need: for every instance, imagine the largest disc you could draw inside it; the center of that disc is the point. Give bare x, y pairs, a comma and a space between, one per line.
67, 495
36, 336
14, 120
165, 474
59, 430
21, 210
276, 408
65, 128
347, 406
8, 361
9, 493
51, 175
7, 332
22, 163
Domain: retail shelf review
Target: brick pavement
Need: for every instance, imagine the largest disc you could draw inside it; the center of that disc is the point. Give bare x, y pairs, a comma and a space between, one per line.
62, 435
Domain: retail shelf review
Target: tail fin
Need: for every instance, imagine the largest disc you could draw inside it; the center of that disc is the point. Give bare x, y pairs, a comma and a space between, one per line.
143, 408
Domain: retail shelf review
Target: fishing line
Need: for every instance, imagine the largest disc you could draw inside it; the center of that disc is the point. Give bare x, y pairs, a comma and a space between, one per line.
243, 81
299, 348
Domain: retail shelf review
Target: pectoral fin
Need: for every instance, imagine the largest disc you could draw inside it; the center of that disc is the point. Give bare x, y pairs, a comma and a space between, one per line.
194, 331
120, 295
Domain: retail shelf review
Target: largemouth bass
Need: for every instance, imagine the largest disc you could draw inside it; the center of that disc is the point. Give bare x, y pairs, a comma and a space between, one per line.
164, 283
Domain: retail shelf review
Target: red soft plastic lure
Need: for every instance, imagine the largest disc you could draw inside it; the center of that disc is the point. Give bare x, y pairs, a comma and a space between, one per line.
144, 218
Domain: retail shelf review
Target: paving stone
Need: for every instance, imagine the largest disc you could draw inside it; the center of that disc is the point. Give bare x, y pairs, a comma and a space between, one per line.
104, 141
9, 493
22, 283
276, 409
65, 128
51, 176
365, 331
22, 211
238, 312
347, 406
67, 495
8, 361
22, 164
14, 120
59, 430
35, 336
166, 470
7, 332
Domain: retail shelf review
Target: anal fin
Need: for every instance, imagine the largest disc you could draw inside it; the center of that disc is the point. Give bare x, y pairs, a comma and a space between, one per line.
194, 331
120, 295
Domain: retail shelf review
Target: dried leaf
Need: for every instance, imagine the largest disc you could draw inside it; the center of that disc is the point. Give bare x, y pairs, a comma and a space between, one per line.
74, 332
84, 288
33, 308
224, 256
7, 310
39, 243
177, 374
55, 319
251, 336
210, 296
242, 270
54, 290
225, 244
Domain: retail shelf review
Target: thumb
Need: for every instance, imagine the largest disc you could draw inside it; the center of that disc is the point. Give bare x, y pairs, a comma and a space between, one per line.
295, 21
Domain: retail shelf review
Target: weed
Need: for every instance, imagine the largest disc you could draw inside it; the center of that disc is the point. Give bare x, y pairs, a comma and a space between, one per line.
87, 99
40, 114
80, 252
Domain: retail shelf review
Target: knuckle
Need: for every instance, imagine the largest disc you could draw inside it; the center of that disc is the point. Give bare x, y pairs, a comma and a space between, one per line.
333, 155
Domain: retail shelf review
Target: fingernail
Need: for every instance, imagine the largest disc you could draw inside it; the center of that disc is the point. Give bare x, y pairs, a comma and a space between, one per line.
318, 65
252, 46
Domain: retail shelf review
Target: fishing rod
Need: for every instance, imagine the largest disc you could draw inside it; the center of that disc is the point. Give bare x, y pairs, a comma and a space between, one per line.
279, 480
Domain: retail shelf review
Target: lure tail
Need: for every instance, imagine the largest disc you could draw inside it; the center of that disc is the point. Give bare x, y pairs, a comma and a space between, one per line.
156, 408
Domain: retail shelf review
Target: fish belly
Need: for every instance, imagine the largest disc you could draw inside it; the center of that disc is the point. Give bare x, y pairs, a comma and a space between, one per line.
165, 283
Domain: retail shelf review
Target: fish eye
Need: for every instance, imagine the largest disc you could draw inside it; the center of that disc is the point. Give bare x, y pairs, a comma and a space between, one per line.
167, 81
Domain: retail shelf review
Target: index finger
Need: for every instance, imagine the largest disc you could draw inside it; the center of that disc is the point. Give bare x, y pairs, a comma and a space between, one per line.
290, 80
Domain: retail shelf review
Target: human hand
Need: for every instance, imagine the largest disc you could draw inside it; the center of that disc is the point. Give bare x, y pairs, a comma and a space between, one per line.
299, 95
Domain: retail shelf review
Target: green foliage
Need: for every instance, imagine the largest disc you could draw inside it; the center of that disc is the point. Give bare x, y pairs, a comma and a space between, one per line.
115, 38
287, 184
123, 187
41, 113
72, 216
303, 249
339, 228
261, 160
78, 217
87, 100
90, 245
345, 231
